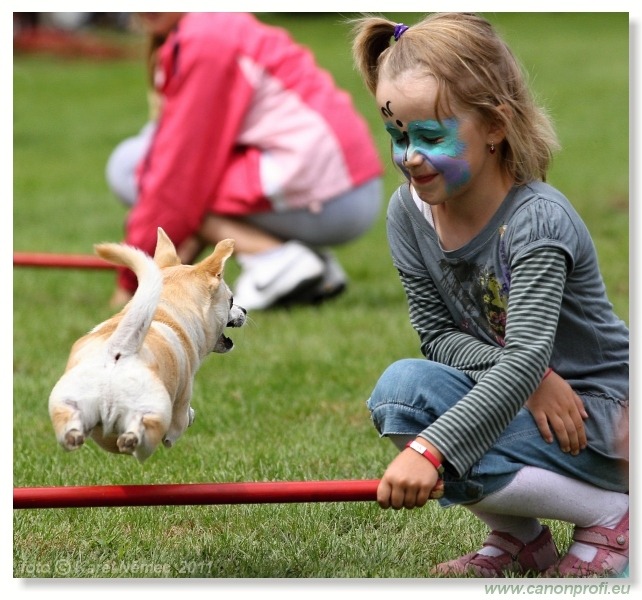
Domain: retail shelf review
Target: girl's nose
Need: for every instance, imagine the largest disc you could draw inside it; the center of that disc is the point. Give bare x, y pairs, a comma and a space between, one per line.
412, 157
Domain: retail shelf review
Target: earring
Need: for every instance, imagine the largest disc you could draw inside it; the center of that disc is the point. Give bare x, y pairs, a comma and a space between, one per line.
492, 148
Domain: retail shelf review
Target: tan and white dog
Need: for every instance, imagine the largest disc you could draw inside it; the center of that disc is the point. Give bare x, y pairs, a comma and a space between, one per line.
128, 382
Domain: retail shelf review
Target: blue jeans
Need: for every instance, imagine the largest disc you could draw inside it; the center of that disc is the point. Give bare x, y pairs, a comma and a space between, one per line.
412, 393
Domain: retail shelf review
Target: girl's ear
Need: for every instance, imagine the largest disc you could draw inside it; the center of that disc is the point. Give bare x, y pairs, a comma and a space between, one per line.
497, 129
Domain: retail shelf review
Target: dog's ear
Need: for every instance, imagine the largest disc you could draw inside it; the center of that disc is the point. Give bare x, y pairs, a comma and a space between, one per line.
214, 264
165, 254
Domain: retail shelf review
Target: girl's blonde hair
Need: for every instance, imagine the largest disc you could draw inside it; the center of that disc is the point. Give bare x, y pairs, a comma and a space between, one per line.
475, 70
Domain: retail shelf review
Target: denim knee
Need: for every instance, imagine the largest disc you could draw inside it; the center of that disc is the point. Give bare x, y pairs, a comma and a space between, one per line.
411, 393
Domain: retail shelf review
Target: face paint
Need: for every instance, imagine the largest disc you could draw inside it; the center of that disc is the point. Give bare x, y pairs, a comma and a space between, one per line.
438, 143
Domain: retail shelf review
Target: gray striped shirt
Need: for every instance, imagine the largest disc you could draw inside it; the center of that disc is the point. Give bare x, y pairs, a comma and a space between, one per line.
524, 294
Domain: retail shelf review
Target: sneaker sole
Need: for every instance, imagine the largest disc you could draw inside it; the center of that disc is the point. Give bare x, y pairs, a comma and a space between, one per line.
311, 294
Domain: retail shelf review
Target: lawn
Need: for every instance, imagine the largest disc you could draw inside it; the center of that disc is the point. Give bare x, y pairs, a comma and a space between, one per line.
289, 402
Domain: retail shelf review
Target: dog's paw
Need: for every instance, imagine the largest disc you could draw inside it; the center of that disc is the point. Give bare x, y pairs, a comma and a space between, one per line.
192, 416
73, 440
127, 442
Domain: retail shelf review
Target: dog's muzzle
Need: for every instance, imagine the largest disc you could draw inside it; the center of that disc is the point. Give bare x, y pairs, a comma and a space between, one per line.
237, 316
236, 319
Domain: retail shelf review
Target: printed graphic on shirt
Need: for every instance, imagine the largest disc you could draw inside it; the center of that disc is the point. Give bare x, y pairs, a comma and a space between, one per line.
481, 293
494, 302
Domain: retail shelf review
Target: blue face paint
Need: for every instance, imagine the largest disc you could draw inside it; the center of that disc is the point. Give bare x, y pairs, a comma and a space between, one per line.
438, 143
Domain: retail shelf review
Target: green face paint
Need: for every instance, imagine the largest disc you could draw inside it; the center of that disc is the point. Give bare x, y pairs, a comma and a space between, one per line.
436, 142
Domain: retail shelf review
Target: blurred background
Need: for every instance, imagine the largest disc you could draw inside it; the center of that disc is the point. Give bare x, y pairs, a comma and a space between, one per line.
79, 78
289, 402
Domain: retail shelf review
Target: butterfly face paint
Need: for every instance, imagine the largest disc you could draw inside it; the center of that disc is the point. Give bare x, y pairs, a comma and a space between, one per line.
437, 142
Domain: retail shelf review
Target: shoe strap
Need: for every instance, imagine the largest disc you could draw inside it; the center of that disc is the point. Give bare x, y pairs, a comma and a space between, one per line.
505, 542
612, 539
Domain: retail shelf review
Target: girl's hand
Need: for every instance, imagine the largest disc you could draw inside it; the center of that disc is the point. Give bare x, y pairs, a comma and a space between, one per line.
409, 481
555, 405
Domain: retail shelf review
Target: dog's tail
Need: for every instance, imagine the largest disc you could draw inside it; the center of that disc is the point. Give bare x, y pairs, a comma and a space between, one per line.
128, 337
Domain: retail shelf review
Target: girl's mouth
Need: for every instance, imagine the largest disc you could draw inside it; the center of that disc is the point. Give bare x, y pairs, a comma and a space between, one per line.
423, 179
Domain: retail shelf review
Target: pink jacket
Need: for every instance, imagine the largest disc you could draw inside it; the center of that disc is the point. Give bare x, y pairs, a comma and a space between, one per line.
248, 123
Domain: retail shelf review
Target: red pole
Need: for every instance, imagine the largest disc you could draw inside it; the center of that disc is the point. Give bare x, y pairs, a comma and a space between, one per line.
195, 493
65, 261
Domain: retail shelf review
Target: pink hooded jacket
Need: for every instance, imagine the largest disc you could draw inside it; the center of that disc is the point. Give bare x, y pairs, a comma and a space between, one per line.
248, 123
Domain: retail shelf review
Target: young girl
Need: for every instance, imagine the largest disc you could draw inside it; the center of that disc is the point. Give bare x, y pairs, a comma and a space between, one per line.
520, 408
251, 140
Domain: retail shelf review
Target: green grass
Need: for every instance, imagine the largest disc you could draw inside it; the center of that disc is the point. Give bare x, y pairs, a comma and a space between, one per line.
289, 402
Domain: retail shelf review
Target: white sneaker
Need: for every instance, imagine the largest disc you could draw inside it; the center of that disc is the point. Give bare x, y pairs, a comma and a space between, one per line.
270, 276
333, 283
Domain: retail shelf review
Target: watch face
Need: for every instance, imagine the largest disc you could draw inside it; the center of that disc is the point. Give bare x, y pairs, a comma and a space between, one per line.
418, 447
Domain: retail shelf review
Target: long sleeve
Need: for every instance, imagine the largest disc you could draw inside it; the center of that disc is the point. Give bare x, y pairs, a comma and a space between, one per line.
464, 433
205, 98
440, 338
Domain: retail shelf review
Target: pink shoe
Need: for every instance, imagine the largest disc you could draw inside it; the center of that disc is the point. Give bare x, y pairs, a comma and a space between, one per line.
612, 556
518, 558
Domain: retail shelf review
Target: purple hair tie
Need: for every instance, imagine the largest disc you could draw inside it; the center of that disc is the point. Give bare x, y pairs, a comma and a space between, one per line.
399, 31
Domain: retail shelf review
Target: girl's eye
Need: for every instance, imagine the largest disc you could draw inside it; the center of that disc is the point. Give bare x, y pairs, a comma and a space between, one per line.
399, 142
398, 138
431, 140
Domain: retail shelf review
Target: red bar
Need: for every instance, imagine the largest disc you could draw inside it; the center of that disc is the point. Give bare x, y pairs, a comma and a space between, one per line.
65, 261
195, 493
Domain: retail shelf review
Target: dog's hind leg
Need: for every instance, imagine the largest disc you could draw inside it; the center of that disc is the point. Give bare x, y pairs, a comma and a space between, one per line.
182, 417
72, 418
181, 420
68, 425
154, 428
142, 435
127, 442
132, 433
